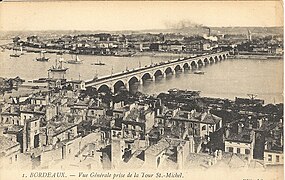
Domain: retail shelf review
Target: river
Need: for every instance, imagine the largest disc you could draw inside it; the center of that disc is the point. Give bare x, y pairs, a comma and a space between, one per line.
227, 79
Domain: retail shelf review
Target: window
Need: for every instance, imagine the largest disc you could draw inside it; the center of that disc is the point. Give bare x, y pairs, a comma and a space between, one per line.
25, 117
92, 153
277, 158
16, 157
204, 127
238, 150
231, 149
191, 125
92, 112
269, 157
247, 151
35, 123
69, 151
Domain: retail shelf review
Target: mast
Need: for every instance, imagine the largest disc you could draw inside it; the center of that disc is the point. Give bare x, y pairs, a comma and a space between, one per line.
56, 63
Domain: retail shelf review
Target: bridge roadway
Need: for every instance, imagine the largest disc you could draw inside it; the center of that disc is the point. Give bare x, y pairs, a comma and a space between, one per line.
129, 77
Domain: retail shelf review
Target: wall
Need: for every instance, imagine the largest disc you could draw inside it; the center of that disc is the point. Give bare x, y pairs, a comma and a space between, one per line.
274, 156
242, 146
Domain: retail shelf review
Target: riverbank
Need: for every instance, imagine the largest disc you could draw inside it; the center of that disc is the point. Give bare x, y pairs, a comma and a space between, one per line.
258, 57
130, 54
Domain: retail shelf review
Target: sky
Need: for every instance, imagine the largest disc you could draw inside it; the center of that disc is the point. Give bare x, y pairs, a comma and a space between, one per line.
136, 15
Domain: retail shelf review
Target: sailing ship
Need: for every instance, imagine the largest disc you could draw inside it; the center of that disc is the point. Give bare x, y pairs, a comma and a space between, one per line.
15, 53
74, 61
58, 67
42, 57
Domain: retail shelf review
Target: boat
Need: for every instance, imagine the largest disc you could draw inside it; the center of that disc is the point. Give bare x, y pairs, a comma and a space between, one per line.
58, 67
42, 57
99, 63
15, 54
74, 61
124, 54
199, 72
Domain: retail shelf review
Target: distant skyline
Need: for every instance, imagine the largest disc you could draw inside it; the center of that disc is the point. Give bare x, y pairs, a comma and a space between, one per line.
117, 16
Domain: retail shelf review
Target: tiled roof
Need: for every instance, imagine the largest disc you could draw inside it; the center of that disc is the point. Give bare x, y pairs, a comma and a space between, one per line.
157, 148
59, 127
245, 136
6, 144
205, 117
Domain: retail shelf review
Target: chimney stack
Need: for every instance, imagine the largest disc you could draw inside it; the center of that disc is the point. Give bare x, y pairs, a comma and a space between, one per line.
240, 128
227, 131
259, 123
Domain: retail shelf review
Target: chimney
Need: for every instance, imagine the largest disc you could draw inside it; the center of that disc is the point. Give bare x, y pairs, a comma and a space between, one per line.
147, 140
209, 32
227, 132
240, 128
259, 123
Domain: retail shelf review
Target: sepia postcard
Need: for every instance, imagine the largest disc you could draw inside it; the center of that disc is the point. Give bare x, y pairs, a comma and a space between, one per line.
121, 90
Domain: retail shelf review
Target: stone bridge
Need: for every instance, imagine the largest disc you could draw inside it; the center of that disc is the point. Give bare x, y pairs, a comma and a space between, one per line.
151, 72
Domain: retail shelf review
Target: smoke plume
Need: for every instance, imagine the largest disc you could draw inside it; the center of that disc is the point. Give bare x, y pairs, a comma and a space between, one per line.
182, 24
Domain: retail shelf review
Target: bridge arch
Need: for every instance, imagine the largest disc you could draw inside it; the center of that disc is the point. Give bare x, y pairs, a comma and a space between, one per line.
146, 76
187, 65
178, 67
118, 86
104, 88
158, 72
168, 70
131, 81
200, 63
206, 61
194, 64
